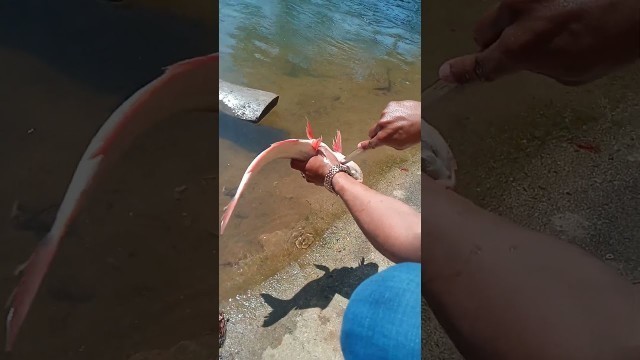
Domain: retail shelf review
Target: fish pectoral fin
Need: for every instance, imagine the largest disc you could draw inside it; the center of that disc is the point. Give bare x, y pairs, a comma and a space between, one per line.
20, 268
309, 130
337, 142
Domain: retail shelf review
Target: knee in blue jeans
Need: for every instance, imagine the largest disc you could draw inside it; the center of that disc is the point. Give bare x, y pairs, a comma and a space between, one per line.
383, 317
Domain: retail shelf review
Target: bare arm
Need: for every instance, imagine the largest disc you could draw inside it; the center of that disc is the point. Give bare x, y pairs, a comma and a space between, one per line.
391, 226
504, 292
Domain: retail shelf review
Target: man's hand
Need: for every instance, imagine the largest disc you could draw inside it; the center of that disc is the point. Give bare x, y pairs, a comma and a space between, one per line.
315, 169
573, 42
398, 127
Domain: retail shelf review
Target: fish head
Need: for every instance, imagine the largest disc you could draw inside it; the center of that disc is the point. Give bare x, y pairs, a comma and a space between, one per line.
355, 170
336, 149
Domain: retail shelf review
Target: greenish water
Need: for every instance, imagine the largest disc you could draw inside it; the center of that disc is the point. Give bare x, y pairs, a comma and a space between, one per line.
336, 63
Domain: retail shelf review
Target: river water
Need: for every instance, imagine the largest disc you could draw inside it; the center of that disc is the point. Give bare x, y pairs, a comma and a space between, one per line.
336, 63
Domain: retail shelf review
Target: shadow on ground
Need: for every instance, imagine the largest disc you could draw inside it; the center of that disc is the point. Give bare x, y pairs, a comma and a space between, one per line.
318, 293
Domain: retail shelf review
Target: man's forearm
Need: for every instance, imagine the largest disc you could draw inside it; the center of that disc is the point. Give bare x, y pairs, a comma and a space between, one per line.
504, 292
391, 226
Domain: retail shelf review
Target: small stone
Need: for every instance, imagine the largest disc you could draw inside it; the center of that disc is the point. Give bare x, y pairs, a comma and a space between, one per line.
608, 257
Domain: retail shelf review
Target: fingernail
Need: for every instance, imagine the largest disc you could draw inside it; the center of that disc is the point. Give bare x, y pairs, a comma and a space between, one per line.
445, 73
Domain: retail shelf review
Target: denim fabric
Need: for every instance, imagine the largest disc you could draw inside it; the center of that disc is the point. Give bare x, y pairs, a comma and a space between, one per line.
383, 317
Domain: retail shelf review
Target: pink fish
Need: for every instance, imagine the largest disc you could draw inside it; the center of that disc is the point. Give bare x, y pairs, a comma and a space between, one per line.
437, 159
188, 85
299, 149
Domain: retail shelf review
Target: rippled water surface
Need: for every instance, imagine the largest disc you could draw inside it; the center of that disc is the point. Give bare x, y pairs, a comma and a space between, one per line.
336, 63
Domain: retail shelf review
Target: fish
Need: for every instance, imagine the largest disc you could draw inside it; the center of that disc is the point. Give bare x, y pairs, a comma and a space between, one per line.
298, 149
186, 86
438, 161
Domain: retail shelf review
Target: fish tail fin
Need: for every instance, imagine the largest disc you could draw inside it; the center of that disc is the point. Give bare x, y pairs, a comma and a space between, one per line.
274, 302
337, 142
22, 297
309, 130
228, 211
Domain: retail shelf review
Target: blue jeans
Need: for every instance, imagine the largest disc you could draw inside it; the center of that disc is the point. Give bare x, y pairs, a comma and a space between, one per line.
383, 317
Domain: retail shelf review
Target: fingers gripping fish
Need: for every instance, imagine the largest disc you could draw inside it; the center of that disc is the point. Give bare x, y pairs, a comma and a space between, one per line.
188, 85
299, 149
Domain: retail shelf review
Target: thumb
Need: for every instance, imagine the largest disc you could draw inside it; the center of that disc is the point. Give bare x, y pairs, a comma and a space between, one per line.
369, 144
487, 65
377, 139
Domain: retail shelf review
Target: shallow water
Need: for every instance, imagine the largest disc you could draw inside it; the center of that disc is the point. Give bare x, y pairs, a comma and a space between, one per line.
134, 272
337, 64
